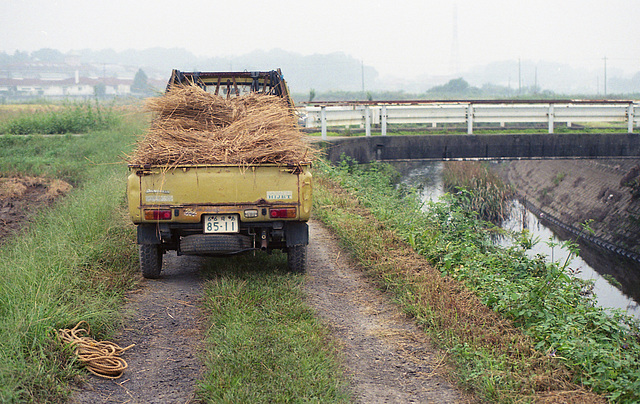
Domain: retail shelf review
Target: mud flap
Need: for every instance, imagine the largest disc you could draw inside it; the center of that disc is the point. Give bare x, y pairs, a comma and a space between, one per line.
296, 233
152, 233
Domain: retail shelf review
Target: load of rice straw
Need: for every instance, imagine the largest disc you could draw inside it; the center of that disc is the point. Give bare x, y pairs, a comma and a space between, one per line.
195, 127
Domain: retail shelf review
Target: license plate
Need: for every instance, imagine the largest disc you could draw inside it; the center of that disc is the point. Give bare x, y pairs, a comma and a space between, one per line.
221, 224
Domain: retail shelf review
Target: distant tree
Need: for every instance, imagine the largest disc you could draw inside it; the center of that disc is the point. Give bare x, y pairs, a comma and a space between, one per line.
100, 90
312, 94
140, 84
5, 59
48, 55
456, 86
20, 57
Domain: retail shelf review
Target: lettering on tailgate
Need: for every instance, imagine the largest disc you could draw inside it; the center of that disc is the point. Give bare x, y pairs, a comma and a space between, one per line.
158, 195
279, 195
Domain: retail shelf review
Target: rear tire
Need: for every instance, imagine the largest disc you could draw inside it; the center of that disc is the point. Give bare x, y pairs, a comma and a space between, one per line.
297, 259
150, 260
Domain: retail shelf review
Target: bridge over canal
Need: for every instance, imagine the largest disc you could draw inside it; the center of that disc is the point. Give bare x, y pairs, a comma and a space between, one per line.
486, 146
476, 146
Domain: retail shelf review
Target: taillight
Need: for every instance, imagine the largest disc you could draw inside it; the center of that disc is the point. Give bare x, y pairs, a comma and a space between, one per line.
282, 213
157, 214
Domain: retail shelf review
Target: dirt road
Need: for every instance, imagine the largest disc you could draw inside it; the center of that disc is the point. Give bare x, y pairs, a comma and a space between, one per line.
165, 325
386, 357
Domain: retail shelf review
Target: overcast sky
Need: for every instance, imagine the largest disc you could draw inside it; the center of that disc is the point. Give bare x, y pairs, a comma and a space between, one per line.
399, 37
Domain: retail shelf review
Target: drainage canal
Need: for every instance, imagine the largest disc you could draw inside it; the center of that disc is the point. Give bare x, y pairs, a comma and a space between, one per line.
616, 279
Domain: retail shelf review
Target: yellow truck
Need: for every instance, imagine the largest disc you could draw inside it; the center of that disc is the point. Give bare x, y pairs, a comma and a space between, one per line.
219, 209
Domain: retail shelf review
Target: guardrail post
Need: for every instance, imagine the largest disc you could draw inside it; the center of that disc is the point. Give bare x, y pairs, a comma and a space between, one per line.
470, 119
383, 120
551, 117
323, 121
631, 118
367, 120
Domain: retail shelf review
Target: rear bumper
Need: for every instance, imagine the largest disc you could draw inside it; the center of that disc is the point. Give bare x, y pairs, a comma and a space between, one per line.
256, 235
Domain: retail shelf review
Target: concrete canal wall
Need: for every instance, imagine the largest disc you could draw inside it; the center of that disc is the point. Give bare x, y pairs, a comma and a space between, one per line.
457, 146
575, 191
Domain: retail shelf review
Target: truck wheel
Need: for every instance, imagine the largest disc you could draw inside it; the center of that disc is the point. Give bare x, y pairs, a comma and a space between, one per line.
297, 259
150, 260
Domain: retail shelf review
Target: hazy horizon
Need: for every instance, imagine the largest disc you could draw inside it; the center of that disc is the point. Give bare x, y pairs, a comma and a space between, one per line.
399, 39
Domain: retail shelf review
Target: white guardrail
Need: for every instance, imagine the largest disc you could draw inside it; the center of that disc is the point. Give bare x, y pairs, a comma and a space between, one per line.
434, 113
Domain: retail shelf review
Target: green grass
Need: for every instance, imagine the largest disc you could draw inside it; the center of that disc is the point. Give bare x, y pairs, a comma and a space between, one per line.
264, 343
561, 336
73, 263
68, 157
67, 118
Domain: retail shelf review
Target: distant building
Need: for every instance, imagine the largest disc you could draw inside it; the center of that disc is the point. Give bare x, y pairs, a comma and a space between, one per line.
67, 80
73, 87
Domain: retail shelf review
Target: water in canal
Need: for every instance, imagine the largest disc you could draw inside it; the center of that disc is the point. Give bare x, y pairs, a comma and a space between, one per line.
593, 263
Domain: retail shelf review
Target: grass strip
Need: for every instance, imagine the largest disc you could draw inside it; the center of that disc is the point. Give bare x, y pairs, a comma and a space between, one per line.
492, 357
74, 262
264, 343
67, 118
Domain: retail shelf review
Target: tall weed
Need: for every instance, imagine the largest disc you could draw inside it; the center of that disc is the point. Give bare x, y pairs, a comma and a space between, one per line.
489, 195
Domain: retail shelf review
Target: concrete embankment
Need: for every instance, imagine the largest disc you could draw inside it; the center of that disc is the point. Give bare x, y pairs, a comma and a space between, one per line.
572, 192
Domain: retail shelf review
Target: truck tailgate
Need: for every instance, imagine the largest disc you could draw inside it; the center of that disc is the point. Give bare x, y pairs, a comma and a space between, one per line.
219, 185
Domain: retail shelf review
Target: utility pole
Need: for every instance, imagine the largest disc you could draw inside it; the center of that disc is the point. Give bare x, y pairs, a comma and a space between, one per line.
362, 70
519, 77
455, 51
605, 77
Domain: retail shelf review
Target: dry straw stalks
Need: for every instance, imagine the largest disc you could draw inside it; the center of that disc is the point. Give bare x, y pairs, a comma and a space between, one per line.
195, 127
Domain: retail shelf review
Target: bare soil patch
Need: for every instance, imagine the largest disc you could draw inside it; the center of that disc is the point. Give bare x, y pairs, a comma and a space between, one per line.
21, 198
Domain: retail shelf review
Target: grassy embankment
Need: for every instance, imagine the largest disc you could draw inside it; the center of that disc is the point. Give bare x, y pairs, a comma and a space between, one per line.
76, 259
79, 257
515, 329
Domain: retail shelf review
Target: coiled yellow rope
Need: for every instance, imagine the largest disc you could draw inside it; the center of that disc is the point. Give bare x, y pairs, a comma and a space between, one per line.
100, 357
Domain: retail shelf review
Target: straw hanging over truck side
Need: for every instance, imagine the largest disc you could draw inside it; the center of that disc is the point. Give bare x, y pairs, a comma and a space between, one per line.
192, 126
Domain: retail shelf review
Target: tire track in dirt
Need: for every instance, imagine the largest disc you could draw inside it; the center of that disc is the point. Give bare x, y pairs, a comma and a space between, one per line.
165, 325
386, 355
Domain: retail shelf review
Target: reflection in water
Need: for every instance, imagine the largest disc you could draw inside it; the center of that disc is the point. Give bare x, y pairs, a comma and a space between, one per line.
607, 264
426, 177
592, 263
